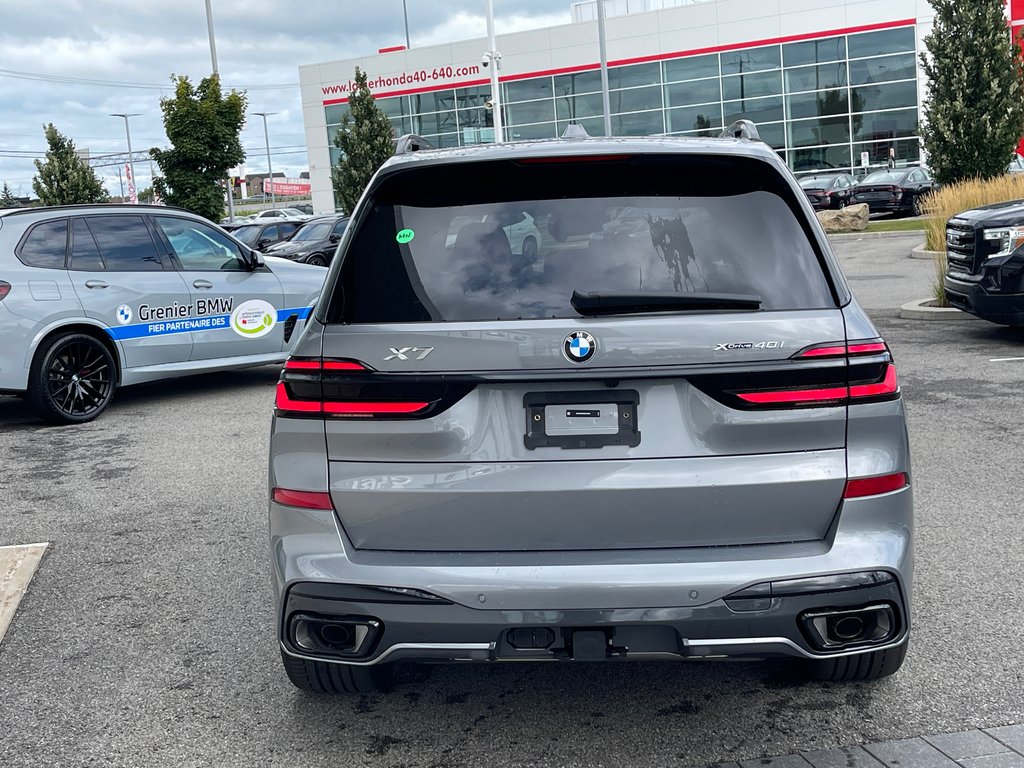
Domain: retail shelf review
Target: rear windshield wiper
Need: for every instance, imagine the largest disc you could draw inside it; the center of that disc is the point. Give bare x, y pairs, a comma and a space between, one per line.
615, 302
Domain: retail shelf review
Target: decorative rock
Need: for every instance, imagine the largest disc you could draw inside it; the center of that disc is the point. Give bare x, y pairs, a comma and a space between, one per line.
852, 218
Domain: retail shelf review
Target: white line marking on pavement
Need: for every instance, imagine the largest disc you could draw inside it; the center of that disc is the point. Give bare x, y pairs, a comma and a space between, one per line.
1004, 359
17, 567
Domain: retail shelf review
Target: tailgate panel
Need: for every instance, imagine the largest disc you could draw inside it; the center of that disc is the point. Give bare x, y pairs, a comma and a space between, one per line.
589, 505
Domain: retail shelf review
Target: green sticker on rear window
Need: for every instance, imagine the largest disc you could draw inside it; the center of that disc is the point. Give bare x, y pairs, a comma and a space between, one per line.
404, 236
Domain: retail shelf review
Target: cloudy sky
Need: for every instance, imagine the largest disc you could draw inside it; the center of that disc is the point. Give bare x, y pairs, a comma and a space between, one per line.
73, 62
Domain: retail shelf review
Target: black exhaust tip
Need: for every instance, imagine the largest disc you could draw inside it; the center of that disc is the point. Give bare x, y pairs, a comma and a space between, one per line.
333, 635
832, 629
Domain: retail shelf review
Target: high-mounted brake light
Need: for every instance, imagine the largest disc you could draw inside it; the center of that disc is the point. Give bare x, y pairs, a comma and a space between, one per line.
5, 288
303, 499
875, 486
574, 159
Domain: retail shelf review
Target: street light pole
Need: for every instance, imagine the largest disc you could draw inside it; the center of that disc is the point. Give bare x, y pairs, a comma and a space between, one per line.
602, 41
405, 13
128, 135
495, 58
213, 62
270, 168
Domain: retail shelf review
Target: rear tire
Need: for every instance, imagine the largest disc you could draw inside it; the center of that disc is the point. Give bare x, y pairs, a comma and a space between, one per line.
71, 380
864, 666
336, 679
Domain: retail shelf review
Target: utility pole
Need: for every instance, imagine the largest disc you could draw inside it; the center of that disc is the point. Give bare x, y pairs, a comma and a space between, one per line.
603, 46
128, 135
213, 62
495, 57
270, 168
405, 13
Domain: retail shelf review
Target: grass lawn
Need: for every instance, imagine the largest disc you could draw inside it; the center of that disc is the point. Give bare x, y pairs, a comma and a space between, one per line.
897, 225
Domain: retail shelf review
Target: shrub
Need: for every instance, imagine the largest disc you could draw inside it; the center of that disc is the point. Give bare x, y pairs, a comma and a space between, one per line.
947, 201
951, 199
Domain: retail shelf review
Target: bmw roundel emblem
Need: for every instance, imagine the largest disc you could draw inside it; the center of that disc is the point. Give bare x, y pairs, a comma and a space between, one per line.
579, 347
124, 314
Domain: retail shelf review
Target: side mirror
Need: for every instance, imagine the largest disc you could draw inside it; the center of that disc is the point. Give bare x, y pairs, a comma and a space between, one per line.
335, 237
264, 243
256, 260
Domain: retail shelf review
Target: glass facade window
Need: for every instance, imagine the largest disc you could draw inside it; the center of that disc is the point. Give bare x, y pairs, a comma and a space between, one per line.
691, 68
881, 42
749, 86
870, 98
632, 76
574, 107
635, 99
883, 69
759, 110
578, 82
751, 60
814, 51
693, 92
529, 90
638, 124
696, 118
530, 112
816, 78
818, 103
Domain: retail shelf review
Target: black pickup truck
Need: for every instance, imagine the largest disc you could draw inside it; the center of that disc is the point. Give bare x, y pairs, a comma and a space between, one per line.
985, 262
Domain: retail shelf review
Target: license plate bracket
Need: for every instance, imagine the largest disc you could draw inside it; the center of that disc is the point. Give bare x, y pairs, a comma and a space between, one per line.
592, 419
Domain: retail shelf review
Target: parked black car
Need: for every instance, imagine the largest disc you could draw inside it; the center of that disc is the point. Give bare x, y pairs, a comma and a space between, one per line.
985, 262
828, 190
896, 191
315, 241
262, 236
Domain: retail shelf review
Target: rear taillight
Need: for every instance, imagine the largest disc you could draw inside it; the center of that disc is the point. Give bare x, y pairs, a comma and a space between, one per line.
824, 375
5, 288
302, 499
859, 487
886, 387
348, 389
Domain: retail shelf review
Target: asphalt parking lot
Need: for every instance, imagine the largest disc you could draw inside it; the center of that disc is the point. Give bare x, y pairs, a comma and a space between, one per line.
146, 636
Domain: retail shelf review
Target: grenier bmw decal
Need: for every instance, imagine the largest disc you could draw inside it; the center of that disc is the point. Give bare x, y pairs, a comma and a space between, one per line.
250, 319
579, 347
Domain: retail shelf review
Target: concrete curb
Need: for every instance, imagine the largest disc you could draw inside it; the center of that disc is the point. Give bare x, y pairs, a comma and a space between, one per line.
872, 235
921, 253
919, 310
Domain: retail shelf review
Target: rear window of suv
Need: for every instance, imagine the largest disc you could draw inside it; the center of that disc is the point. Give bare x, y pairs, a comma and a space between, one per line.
514, 239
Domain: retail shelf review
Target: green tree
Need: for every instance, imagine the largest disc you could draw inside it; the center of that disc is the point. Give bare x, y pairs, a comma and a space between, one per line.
203, 126
365, 139
63, 178
7, 198
974, 113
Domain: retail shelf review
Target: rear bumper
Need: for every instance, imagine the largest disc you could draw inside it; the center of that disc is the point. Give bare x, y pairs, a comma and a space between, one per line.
1002, 308
750, 628
884, 206
664, 602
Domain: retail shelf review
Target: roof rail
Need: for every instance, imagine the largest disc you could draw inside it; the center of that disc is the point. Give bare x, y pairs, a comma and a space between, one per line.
741, 129
410, 142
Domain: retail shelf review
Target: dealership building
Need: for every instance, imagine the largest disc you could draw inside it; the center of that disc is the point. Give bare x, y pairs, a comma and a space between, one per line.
829, 83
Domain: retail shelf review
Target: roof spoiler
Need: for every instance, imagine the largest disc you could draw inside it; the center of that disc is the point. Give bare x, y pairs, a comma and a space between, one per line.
410, 142
741, 129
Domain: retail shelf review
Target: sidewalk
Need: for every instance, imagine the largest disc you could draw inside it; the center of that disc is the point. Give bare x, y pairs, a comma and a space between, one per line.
990, 748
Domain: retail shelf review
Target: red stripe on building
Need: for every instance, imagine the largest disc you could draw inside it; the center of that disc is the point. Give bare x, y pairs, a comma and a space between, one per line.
654, 57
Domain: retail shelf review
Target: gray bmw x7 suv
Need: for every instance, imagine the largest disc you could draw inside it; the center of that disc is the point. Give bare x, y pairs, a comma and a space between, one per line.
671, 432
